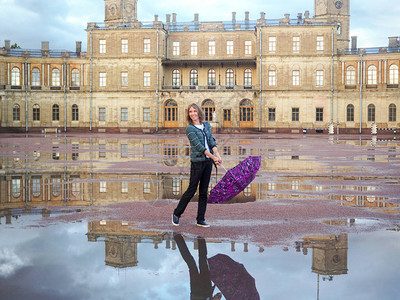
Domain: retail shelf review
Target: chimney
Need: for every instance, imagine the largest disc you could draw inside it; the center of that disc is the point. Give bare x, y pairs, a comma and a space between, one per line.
306, 14
393, 41
155, 18
196, 18
168, 17
246, 18
262, 15
45, 46
299, 18
78, 47
354, 43
174, 18
234, 17
287, 17
7, 45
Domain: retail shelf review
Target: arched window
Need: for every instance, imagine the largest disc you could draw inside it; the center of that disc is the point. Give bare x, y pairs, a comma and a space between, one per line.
176, 78
211, 78
247, 79
393, 74
35, 77
229, 78
55, 77
36, 112
371, 75
16, 112
246, 111
56, 112
75, 112
350, 113
171, 111
350, 75
193, 78
15, 76
392, 113
209, 107
371, 113
75, 77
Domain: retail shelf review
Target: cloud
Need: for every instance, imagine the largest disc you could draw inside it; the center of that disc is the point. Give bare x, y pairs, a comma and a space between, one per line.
10, 262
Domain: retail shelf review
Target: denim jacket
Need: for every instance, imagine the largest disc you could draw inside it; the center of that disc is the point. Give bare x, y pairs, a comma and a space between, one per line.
196, 139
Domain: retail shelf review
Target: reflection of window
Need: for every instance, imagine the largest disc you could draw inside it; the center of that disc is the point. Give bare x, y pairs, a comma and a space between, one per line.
16, 187
36, 187
75, 151
124, 150
247, 191
171, 153
295, 185
103, 186
146, 187
102, 150
75, 187
176, 186
56, 187
124, 187
56, 154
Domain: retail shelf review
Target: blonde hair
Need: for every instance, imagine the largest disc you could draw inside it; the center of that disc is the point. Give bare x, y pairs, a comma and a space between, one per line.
200, 113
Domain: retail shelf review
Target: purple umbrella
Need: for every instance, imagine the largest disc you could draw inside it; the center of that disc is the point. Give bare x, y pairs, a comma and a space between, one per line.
232, 278
235, 180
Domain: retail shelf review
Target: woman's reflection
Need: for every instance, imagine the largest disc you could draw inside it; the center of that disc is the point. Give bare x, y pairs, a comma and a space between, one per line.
200, 282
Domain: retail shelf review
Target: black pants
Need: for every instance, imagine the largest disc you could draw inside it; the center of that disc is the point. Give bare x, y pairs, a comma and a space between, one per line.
200, 172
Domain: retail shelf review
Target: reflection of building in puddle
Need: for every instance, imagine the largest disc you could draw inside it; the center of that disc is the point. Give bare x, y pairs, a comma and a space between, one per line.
329, 254
122, 240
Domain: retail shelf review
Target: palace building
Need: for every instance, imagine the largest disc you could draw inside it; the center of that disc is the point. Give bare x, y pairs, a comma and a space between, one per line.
264, 75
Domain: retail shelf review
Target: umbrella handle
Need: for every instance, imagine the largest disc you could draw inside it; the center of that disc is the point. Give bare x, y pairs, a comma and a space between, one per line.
223, 167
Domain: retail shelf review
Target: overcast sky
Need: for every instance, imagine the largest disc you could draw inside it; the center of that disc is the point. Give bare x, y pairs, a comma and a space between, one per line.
62, 22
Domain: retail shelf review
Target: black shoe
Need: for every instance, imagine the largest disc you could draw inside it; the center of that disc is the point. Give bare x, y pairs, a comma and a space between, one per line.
203, 224
175, 220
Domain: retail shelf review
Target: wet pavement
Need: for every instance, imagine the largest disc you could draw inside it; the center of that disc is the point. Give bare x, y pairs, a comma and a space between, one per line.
88, 216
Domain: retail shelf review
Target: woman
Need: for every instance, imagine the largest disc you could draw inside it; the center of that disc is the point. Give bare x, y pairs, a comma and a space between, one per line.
203, 154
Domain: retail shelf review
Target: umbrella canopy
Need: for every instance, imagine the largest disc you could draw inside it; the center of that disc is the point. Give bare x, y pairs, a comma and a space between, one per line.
235, 180
232, 278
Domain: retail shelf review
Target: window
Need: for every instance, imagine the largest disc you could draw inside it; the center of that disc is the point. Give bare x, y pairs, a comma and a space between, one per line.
247, 78
124, 150
296, 78
208, 107
175, 48
55, 77
171, 111
319, 114
246, 111
124, 46
146, 114
296, 44
319, 80
211, 47
124, 79
16, 112
350, 113
211, 78
272, 78
102, 114
247, 47
102, 150
351, 75
295, 114
176, 78
229, 78
103, 186
75, 77
227, 115
193, 48
272, 44
103, 46
36, 112
271, 114
320, 43
371, 75
36, 187
193, 78
371, 113
16, 187
124, 114
146, 79
392, 113
103, 79
15, 76
35, 77
393, 74
56, 112
229, 47
75, 113
146, 45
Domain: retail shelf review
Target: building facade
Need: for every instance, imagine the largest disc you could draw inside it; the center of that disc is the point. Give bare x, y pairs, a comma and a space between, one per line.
269, 75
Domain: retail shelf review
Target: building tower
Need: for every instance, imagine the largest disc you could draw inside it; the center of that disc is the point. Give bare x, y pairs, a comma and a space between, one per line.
119, 12
335, 12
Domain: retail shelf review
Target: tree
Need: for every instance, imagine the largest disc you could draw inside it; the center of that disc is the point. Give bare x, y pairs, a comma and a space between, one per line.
15, 46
